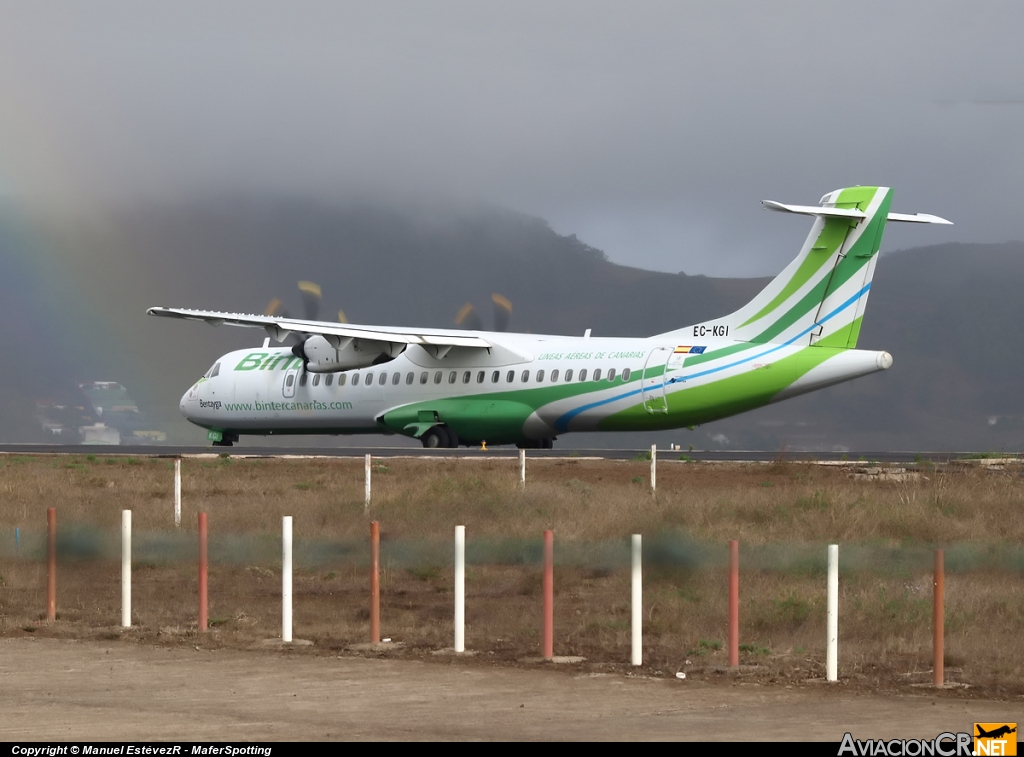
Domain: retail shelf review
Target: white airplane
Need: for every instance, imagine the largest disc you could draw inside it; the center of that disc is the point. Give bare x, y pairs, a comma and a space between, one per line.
449, 387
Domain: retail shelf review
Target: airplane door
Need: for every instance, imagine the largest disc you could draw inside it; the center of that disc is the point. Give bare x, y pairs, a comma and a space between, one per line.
291, 378
652, 382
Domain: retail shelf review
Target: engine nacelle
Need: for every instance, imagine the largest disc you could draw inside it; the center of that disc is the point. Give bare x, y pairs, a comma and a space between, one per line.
328, 355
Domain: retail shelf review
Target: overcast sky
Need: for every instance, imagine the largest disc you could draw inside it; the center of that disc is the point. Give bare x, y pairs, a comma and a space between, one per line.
650, 130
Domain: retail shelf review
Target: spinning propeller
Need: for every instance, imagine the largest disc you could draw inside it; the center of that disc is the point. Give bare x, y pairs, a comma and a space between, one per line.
311, 300
469, 318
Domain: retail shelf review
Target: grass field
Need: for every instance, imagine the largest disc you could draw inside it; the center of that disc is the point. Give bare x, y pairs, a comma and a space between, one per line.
783, 514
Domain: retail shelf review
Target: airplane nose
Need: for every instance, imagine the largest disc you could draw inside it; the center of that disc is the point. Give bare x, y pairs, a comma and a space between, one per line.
183, 405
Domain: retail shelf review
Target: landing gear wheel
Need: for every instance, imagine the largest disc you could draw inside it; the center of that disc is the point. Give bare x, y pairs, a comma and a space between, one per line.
228, 438
435, 438
547, 443
453, 438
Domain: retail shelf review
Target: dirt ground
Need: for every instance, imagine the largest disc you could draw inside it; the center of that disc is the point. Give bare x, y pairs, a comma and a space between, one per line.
84, 677
59, 689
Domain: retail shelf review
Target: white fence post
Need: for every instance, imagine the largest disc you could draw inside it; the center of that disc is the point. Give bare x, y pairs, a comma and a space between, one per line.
654, 468
522, 467
832, 652
286, 579
637, 656
177, 492
460, 588
126, 568
366, 475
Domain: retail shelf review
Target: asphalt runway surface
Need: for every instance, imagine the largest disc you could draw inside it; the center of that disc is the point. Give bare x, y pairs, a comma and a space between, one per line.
753, 456
118, 690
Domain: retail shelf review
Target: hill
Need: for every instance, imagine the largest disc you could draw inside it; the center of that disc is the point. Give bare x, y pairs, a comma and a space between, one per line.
76, 292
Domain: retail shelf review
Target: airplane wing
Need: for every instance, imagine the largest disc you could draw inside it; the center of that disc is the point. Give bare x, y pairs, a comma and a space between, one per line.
436, 340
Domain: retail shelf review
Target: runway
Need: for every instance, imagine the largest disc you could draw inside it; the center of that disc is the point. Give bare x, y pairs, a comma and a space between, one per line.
745, 456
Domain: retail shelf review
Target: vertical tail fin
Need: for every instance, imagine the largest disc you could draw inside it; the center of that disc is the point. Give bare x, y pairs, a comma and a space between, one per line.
820, 297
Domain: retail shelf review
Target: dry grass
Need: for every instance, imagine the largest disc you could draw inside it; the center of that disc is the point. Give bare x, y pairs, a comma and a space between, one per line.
783, 515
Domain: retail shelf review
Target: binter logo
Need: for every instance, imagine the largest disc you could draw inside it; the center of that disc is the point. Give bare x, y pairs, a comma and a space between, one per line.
266, 361
995, 738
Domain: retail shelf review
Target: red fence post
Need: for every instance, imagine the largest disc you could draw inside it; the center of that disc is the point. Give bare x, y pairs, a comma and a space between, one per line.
375, 582
734, 603
549, 594
203, 616
51, 563
938, 642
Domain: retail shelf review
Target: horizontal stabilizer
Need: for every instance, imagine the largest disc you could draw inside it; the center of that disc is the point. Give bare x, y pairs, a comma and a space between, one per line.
814, 210
918, 218
818, 210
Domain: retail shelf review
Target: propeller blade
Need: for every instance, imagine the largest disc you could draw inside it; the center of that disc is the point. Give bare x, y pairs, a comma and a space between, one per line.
342, 318
276, 307
502, 312
468, 318
311, 298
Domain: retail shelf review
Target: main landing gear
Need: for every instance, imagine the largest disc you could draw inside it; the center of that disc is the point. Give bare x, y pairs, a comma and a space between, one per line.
440, 437
227, 439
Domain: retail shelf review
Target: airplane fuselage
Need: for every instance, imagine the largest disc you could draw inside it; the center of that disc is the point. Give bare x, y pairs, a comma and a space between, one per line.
526, 388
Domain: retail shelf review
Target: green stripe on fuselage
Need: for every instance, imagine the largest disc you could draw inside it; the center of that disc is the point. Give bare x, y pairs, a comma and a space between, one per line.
720, 399
498, 417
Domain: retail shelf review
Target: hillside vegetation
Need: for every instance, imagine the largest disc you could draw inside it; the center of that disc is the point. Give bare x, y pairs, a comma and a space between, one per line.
949, 314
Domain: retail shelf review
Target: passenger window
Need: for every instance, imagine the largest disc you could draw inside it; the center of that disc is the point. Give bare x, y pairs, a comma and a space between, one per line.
526, 376
568, 375
554, 375
423, 377
437, 377
583, 374
316, 380
397, 379
342, 379
383, 378
289, 380
369, 379
452, 377
611, 374
466, 377
510, 377
409, 377
625, 374
480, 377
494, 377
302, 380
355, 379
540, 376
328, 379
597, 374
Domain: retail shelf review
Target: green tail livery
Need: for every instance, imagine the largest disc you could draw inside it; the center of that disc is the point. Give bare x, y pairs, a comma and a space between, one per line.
449, 387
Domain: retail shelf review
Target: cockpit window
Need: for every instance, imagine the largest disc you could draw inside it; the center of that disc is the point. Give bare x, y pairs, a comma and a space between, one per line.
213, 372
